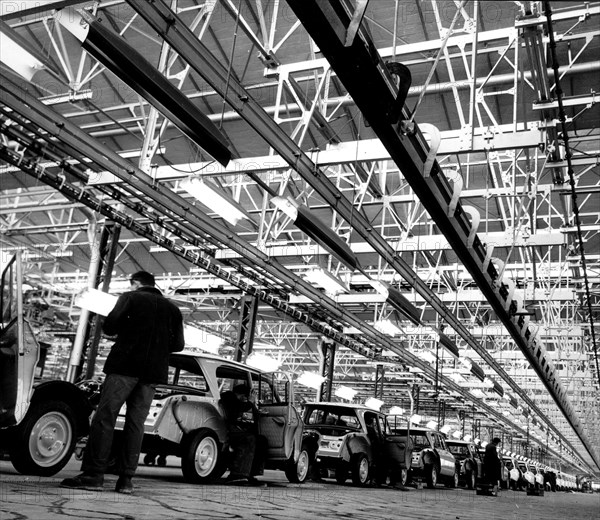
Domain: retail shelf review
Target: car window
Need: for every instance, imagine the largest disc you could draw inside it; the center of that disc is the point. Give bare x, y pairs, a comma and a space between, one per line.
384, 426
185, 371
459, 449
332, 417
437, 441
264, 387
228, 377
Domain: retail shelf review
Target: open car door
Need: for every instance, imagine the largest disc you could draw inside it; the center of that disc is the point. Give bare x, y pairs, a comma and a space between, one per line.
278, 420
19, 350
398, 449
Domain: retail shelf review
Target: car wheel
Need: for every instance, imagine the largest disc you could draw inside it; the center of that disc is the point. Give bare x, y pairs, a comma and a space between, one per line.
201, 458
431, 478
149, 459
404, 477
45, 439
471, 480
297, 472
454, 480
161, 461
361, 470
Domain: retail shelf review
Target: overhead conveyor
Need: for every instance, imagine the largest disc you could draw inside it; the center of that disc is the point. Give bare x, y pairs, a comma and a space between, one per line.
369, 82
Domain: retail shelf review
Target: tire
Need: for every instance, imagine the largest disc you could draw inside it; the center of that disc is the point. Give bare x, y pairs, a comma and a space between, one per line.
361, 470
161, 461
431, 475
149, 459
297, 472
201, 458
471, 480
404, 479
453, 482
45, 439
341, 474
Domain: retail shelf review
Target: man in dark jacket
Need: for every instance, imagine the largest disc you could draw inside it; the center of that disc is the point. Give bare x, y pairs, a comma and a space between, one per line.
148, 328
492, 466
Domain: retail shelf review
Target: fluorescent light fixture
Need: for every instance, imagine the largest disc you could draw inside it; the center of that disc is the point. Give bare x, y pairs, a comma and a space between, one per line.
398, 301
446, 429
416, 419
374, 403
457, 378
311, 380
18, 54
488, 382
456, 434
198, 339
467, 437
476, 440
316, 229
262, 362
215, 199
476, 392
467, 362
432, 425
345, 392
426, 355
483, 444
131, 67
387, 327
397, 410
326, 280
448, 343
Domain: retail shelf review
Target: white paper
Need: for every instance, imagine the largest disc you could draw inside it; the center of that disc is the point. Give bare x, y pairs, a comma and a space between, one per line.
96, 301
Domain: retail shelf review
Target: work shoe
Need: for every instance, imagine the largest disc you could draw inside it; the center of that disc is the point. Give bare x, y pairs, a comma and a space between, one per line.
84, 481
124, 485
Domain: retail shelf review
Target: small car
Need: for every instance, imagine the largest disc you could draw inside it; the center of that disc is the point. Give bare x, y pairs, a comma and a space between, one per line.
431, 458
516, 480
351, 440
40, 420
187, 421
469, 464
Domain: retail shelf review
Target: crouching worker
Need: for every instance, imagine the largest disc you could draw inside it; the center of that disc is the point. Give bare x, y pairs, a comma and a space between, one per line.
247, 446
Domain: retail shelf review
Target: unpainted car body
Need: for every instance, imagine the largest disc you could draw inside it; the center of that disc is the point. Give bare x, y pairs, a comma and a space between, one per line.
469, 464
431, 459
186, 419
350, 440
40, 421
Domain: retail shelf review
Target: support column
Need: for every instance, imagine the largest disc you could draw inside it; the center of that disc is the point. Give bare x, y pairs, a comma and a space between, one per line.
327, 362
379, 375
416, 390
109, 242
246, 327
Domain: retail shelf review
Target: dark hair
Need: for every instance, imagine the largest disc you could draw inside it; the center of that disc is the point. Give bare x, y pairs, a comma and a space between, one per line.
496, 440
143, 277
241, 389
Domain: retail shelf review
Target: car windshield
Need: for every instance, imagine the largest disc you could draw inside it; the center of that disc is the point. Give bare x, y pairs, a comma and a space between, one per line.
338, 418
458, 449
419, 440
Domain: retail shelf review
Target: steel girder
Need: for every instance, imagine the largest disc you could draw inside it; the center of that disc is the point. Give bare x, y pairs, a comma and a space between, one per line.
365, 75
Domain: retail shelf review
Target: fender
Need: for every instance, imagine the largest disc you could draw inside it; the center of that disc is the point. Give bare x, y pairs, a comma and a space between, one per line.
69, 394
430, 457
356, 444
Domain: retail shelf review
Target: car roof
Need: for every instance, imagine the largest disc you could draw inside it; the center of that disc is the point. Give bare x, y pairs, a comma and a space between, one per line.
420, 429
212, 357
352, 406
455, 441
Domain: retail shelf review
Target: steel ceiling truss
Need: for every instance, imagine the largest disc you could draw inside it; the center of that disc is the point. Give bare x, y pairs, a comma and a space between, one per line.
506, 162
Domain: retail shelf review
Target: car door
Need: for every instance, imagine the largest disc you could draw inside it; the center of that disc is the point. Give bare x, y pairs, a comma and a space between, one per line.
19, 350
447, 460
397, 448
278, 420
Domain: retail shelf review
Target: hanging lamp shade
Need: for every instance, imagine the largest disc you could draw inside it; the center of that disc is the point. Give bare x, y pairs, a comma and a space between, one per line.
130, 66
316, 229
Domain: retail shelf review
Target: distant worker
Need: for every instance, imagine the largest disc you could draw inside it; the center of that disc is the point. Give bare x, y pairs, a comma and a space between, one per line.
492, 466
148, 327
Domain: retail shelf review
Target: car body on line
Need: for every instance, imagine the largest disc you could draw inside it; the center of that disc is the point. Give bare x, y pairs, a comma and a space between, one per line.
431, 458
351, 440
186, 419
469, 464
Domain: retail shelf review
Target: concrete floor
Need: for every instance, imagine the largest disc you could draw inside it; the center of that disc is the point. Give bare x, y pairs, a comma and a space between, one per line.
161, 493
